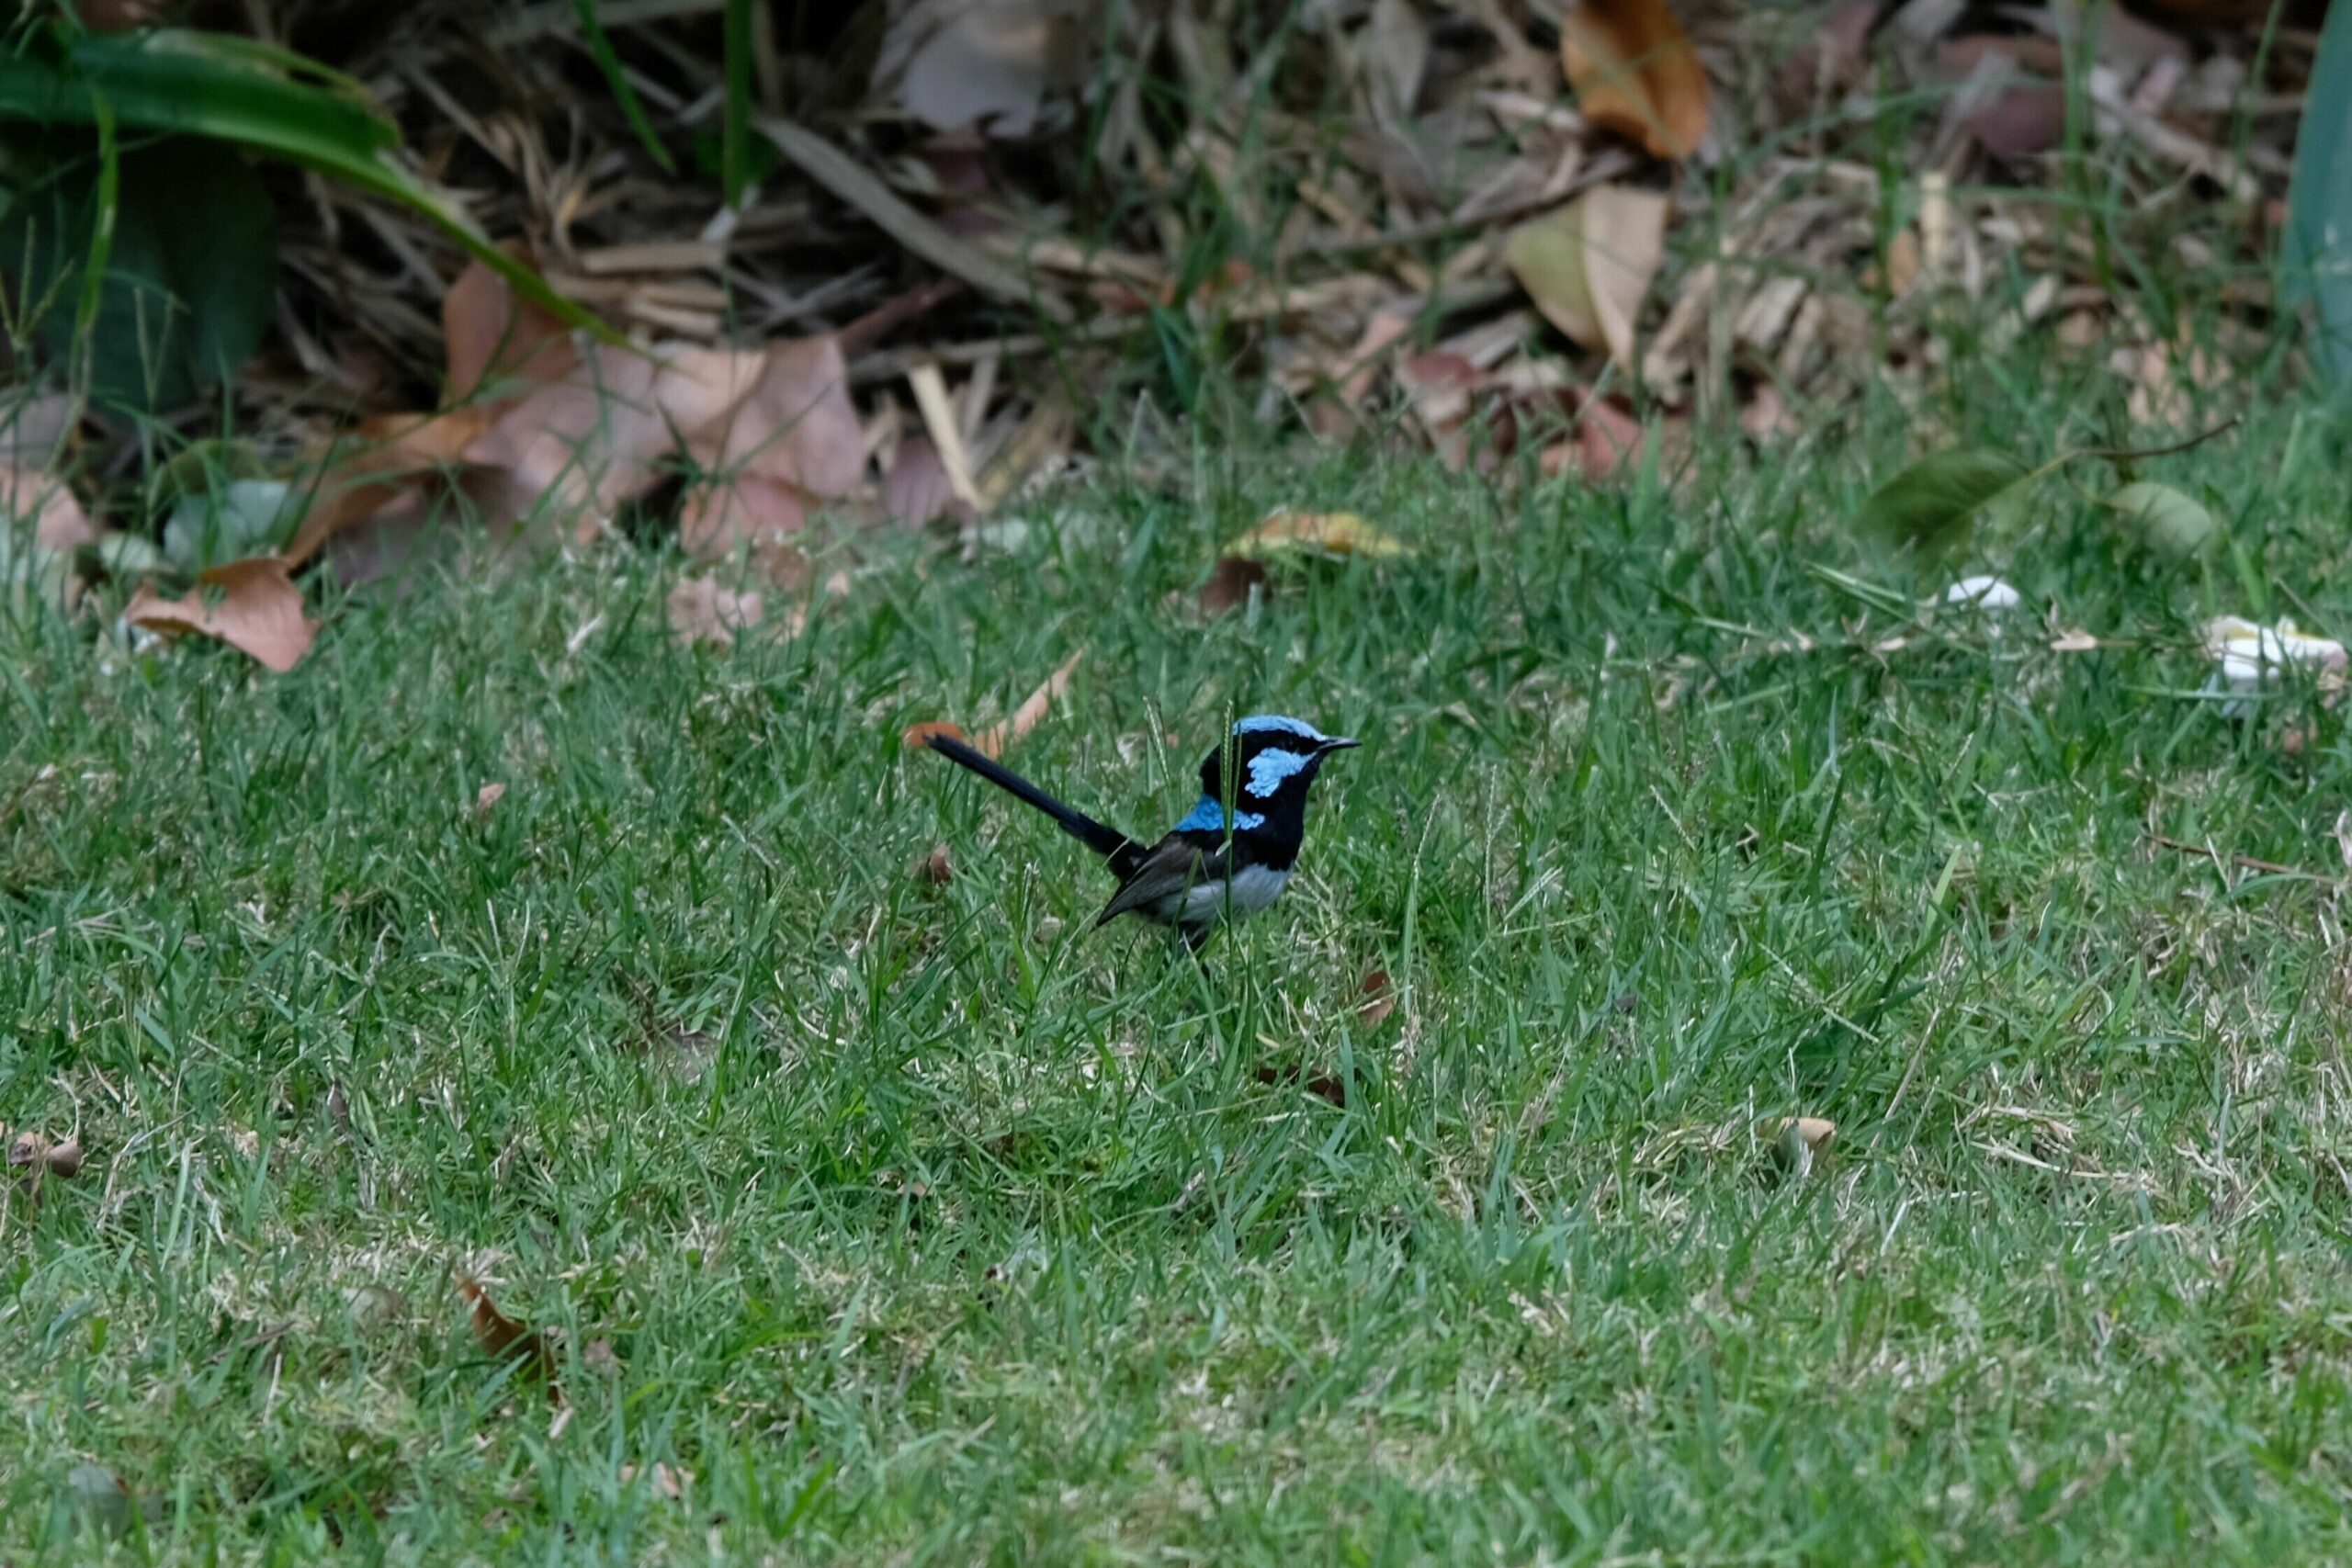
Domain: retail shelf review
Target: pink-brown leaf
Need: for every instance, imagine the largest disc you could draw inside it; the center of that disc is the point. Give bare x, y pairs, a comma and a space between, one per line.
253, 605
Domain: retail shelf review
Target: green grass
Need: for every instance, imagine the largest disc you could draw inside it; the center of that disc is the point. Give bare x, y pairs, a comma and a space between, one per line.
928, 1225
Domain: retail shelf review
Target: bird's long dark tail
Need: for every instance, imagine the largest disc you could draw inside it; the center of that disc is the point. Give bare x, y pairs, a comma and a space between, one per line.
1104, 840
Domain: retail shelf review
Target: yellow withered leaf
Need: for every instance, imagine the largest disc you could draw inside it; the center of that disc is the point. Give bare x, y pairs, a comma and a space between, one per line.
1317, 533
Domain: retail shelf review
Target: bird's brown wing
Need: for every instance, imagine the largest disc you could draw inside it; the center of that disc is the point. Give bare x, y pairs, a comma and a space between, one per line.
1168, 868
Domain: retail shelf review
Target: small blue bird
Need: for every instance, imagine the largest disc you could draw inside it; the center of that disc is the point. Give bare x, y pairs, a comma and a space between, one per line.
1218, 862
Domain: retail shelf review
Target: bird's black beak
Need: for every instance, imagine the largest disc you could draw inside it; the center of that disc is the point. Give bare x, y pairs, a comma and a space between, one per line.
1337, 743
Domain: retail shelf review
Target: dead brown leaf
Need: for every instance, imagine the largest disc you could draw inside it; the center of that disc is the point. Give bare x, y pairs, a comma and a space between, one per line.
59, 522
1588, 265
1634, 73
703, 611
793, 440
490, 795
391, 457
1798, 1141
1376, 1000
595, 439
1230, 583
936, 869
916, 735
1325, 1086
258, 610
984, 64
31, 1151
597, 1356
992, 741
917, 487
491, 338
506, 1340
666, 1482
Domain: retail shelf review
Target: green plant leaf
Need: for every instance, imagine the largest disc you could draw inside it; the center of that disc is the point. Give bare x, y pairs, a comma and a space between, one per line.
188, 263
2172, 523
1930, 504
2318, 250
230, 89
231, 521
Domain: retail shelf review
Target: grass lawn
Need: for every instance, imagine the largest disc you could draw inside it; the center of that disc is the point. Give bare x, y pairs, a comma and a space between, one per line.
896, 1223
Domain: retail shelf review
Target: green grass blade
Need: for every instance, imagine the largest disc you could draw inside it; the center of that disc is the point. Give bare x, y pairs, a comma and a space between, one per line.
735, 130
600, 45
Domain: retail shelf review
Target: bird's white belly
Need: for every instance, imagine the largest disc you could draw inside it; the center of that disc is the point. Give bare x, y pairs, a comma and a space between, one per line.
1252, 888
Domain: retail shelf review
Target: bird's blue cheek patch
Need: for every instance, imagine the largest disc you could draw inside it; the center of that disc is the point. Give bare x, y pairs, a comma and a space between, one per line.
1269, 768
1208, 816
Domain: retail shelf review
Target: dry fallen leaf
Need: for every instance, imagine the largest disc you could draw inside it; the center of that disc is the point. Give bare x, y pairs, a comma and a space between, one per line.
935, 870
374, 1308
1230, 583
992, 741
1325, 1086
506, 1339
703, 611
1376, 1000
597, 1356
917, 735
597, 438
917, 487
1316, 533
1798, 1141
2074, 640
487, 796
390, 458
256, 610
59, 522
792, 441
1588, 265
497, 342
983, 62
31, 1151
1635, 73
667, 1483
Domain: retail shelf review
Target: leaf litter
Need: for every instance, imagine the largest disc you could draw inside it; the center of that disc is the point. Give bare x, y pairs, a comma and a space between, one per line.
854, 345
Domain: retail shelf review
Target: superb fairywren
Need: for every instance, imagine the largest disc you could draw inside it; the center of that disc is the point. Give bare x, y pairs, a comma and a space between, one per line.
1219, 862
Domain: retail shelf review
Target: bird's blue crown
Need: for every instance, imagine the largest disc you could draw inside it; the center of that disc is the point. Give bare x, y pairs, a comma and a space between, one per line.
1269, 751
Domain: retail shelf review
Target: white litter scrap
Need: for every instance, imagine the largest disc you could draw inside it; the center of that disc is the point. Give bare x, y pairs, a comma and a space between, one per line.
2256, 657
1983, 593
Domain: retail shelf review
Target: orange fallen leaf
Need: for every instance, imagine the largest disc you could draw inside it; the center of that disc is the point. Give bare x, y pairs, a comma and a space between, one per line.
506, 1339
1376, 1000
936, 869
1635, 73
257, 611
992, 741
1588, 265
919, 735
